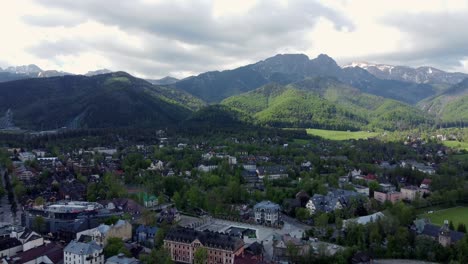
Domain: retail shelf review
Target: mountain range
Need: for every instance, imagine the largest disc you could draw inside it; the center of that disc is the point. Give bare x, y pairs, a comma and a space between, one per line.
423, 74
108, 100
286, 90
288, 68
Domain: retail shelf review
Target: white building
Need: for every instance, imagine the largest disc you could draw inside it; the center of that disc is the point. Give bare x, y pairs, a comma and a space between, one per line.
26, 156
363, 220
83, 253
267, 212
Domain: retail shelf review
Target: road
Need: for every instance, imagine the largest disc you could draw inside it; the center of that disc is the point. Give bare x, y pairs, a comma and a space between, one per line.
6, 215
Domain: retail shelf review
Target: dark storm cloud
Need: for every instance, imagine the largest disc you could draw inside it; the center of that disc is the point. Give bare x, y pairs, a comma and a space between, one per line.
167, 28
438, 39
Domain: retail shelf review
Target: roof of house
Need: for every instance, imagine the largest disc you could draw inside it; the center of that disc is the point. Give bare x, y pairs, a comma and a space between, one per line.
423, 227
206, 238
9, 242
81, 248
326, 203
121, 259
147, 229
267, 205
270, 170
426, 181
52, 250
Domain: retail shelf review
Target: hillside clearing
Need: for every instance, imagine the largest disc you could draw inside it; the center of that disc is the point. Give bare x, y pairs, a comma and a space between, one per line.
341, 135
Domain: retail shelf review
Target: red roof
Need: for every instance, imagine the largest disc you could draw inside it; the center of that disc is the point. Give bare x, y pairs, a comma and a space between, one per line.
370, 176
426, 181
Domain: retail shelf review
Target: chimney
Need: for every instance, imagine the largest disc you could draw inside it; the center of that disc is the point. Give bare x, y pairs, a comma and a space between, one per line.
446, 222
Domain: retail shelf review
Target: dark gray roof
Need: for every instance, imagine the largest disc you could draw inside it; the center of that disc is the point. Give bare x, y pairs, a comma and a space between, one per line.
267, 205
6, 243
121, 259
326, 203
207, 238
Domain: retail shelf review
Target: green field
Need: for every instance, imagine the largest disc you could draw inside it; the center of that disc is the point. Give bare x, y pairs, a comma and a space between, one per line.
456, 214
341, 135
456, 144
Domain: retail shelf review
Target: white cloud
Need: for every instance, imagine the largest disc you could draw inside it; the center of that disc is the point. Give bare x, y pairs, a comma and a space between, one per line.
154, 38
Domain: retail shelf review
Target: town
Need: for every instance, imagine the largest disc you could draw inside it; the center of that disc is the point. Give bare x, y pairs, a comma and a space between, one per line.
258, 197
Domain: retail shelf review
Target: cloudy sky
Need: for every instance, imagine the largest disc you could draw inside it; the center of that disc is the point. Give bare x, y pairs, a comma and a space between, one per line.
155, 38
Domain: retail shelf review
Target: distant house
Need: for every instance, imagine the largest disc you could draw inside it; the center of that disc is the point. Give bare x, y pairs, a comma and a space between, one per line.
272, 172
387, 187
267, 213
252, 254
250, 177
282, 243
207, 168
333, 200
363, 220
123, 205
156, 166
47, 253
355, 173
410, 193
26, 156
121, 259
145, 234
10, 246
391, 196
362, 189
370, 177
83, 253
169, 215
442, 234
425, 185
122, 229
148, 200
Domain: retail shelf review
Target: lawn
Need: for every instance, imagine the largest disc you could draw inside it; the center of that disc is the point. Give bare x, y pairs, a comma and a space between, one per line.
341, 135
456, 214
456, 144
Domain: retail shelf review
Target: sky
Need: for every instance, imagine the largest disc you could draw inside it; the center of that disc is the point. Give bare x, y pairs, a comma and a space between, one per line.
179, 38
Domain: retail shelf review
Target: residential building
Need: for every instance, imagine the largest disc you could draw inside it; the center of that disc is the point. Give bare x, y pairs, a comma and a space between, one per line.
391, 196
267, 213
9, 247
363, 220
121, 259
272, 172
26, 156
441, 234
207, 168
361, 189
425, 185
281, 245
121, 229
253, 254
83, 253
169, 215
49, 253
145, 234
386, 187
333, 200
182, 244
410, 193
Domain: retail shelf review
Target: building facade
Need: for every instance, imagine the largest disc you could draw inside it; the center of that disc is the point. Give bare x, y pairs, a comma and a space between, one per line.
83, 253
182, 244
267, 213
